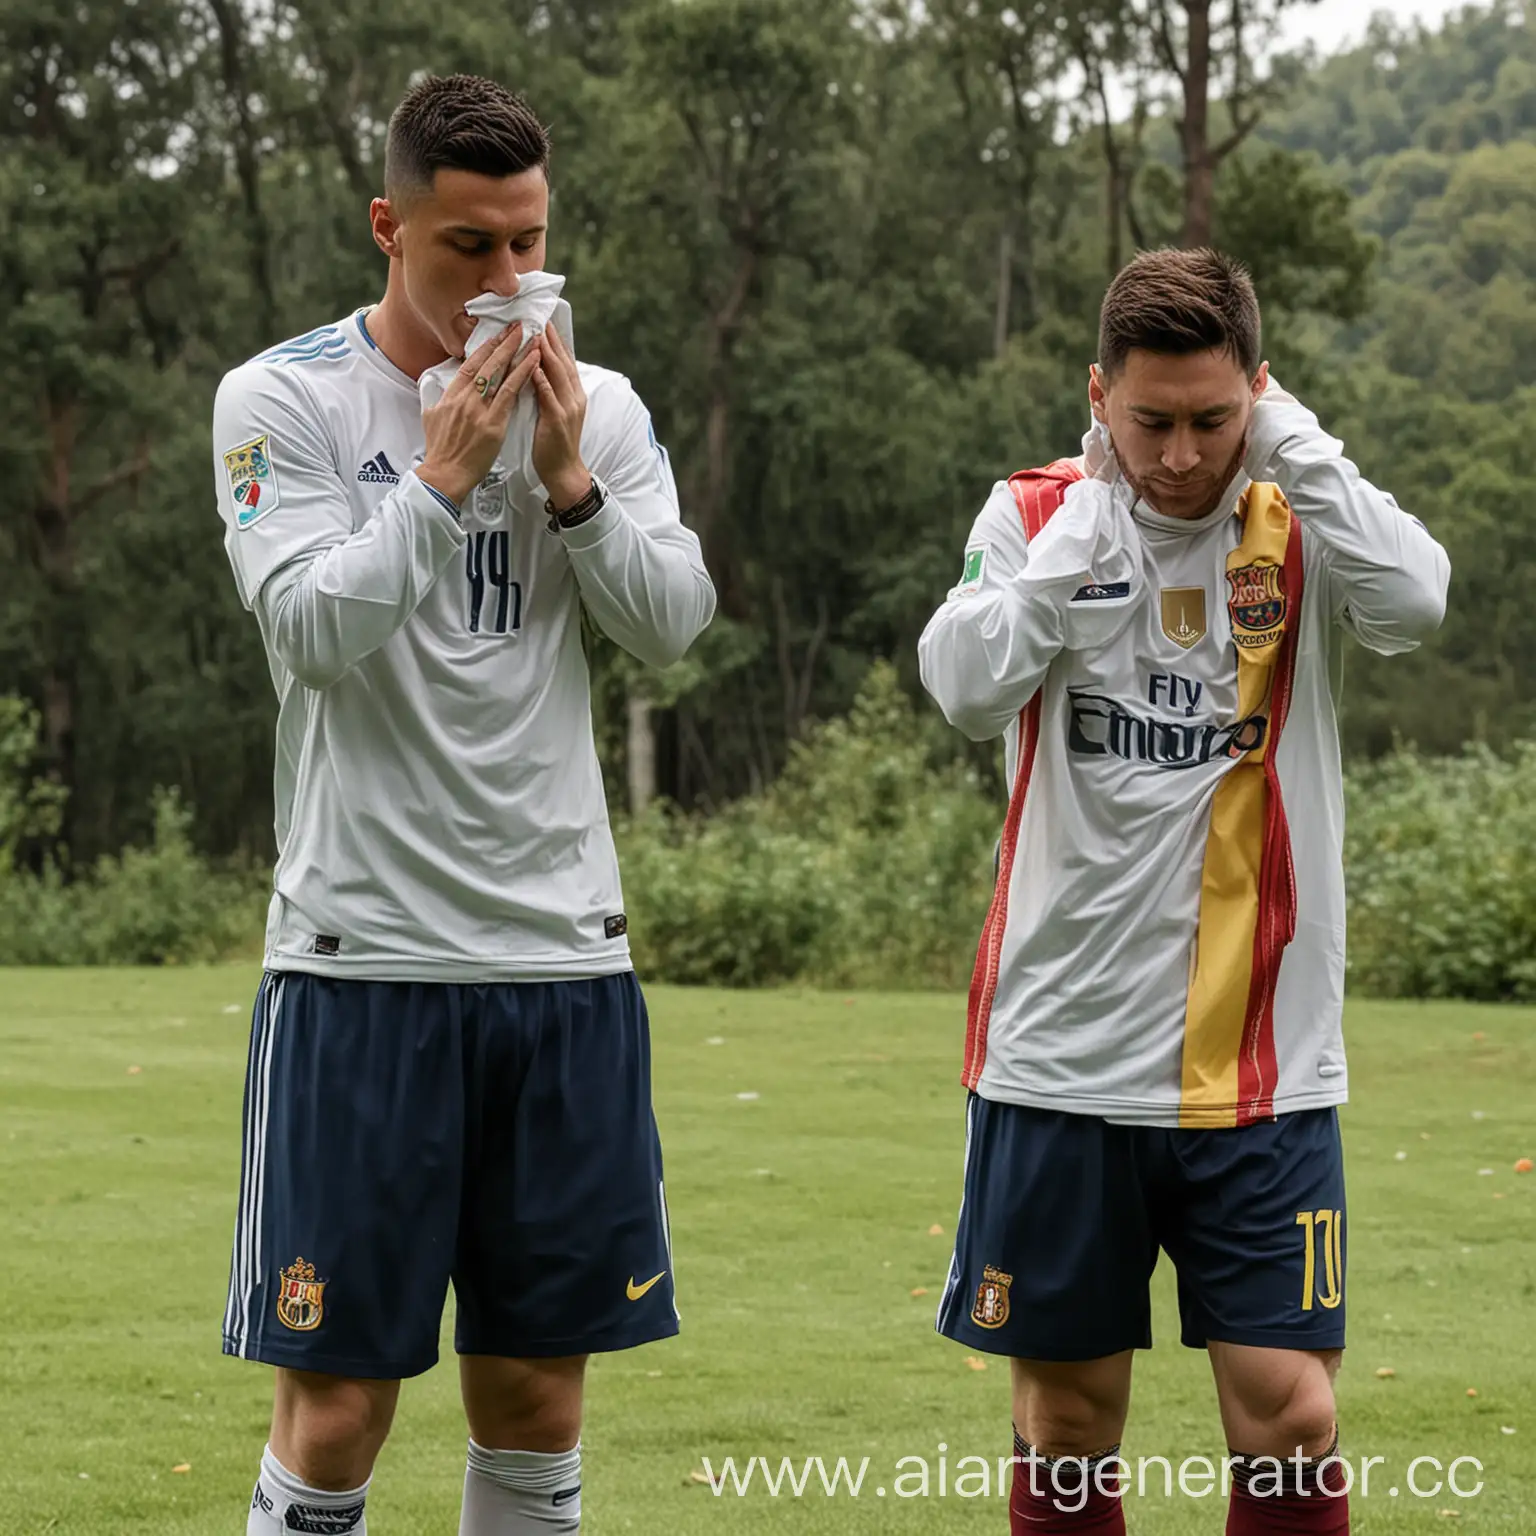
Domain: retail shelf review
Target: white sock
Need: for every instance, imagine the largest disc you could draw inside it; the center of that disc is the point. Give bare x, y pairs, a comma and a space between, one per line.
521, 1493
284, 1506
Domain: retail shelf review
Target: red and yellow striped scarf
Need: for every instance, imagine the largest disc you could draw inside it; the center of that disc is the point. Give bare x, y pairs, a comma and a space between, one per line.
1247, 888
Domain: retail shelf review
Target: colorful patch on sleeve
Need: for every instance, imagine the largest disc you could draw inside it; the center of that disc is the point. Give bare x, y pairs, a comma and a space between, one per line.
252, 479
974, 572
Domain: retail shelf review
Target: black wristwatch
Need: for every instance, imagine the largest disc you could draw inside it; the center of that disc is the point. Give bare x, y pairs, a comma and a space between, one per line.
584, 510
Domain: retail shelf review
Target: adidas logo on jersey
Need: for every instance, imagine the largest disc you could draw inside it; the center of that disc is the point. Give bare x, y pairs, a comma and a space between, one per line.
378, 471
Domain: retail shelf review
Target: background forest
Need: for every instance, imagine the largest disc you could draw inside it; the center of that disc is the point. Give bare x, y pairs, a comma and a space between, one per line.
851, 254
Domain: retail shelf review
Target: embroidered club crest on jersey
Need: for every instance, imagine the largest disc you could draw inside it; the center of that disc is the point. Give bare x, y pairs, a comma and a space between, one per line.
1183, 610
252, 479
992, 1306
300, 1297
1257, 604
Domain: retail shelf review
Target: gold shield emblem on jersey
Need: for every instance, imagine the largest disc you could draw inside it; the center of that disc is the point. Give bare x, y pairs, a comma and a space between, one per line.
300, 1297
1184, 614
991, 1309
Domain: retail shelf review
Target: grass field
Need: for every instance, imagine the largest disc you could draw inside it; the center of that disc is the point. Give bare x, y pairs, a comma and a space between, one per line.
802, 1221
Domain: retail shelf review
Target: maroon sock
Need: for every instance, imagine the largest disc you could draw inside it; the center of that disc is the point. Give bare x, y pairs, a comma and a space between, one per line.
1286, 1498
1063, 1495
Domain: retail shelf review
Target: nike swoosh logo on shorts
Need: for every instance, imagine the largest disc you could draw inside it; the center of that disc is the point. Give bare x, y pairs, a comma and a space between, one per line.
635, 1292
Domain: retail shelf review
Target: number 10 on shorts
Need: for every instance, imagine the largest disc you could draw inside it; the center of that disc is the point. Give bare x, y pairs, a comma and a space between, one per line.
1325, 1230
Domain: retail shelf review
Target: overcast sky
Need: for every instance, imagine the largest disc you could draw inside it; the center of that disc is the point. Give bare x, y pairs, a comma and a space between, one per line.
1335, 23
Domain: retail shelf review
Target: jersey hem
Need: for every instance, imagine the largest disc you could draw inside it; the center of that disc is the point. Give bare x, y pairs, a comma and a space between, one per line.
375, 967
1131, 1112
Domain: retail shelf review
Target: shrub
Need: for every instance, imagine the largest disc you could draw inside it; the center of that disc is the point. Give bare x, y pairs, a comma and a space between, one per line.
159, 904
166, 903
1441, 866
30, 807
910, 832
866, 863
869, 863
729, 901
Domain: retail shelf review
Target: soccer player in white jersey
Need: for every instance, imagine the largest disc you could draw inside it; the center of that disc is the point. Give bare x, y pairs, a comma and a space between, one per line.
449, 1075
1154, 1056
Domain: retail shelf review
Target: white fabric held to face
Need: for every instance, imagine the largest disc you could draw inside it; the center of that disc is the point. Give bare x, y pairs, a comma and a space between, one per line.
536, 304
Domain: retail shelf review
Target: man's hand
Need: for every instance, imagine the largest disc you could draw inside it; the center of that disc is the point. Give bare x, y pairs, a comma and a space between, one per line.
562, 412
1268, 426
465, 429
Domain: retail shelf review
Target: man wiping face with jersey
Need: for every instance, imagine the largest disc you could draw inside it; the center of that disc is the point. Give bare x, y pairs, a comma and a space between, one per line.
449, 1070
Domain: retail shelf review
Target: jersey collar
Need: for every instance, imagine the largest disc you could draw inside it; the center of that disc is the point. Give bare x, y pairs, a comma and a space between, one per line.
371, 353
1225, 508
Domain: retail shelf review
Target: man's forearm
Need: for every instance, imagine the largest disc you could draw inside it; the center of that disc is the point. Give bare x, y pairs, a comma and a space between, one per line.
983, 657
325, 613
646, 588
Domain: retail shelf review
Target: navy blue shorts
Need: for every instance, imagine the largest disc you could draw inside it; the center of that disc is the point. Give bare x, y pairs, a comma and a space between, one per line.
399, 1135
1064, 1215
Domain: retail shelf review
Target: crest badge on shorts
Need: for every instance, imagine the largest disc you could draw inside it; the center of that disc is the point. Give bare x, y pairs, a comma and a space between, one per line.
300, 1297
991, 1309
1183, 610
1258, 604
252, 479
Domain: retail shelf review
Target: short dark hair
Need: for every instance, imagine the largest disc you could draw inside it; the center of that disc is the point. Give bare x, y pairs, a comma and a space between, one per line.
1178, 302
460, 123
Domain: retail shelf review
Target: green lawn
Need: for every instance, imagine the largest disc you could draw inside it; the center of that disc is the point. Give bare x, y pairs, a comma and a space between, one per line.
801, 1220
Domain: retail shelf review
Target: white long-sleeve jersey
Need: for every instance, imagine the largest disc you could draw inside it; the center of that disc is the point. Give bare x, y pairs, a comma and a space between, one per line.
1165, 944
439, 806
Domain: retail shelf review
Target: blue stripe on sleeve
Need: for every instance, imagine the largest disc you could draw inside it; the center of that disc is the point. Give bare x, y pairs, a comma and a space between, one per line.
433, 491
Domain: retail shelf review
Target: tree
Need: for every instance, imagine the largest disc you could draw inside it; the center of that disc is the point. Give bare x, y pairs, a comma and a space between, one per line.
94, 249
736, 104
1209, 48
1012, 68
754, 85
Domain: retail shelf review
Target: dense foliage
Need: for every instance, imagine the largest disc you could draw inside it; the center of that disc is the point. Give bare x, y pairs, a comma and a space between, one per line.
867, 863
1442, 872
851, 252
